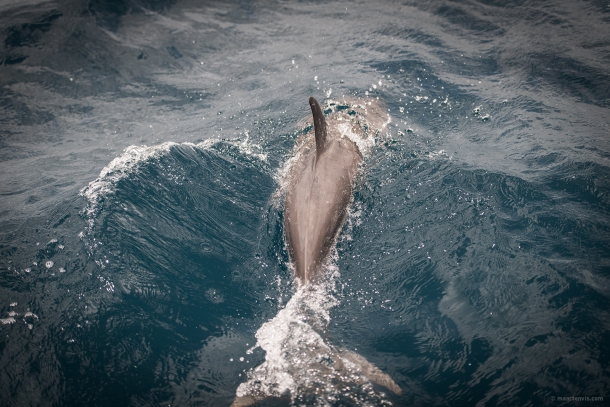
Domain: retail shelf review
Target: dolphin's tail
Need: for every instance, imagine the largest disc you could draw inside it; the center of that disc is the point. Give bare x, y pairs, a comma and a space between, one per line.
246, 401
301, 366
333, 365
370, 371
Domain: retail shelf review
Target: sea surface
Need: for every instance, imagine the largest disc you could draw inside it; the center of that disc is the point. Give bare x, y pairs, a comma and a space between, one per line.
142, 255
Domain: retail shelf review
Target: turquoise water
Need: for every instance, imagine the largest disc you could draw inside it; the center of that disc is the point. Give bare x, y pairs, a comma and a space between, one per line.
141, 153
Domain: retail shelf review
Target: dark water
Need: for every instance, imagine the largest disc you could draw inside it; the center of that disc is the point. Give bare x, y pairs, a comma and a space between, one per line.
474, 268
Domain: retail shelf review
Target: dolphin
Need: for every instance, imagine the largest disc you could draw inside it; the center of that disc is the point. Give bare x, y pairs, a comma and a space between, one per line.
318, 191
318, 196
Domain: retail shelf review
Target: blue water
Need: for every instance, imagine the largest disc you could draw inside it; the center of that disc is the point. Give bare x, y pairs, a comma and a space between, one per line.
142, 145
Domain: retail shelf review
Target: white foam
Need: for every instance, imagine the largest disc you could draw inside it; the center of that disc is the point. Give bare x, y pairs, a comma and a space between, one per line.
289, 340
300, 362
246, 147
367, 121
433, 155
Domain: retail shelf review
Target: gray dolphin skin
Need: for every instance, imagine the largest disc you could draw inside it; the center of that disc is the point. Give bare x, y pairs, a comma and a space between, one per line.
318, 192
318, 196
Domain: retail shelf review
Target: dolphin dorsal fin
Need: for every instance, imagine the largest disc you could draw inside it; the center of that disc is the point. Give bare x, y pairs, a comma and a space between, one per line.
319, 125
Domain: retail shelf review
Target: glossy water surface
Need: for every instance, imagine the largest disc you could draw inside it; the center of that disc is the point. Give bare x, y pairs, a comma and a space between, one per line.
142, 144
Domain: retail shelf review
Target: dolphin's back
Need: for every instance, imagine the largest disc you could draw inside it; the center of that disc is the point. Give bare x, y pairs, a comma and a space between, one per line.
320, 191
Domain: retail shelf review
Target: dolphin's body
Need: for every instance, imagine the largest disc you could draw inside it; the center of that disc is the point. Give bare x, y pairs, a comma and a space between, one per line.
320, 191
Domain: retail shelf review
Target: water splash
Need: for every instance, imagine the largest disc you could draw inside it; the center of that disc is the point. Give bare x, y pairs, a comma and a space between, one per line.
302, 365
117, 169
135, 156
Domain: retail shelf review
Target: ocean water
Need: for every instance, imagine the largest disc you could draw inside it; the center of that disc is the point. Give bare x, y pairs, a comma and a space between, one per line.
142, 148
